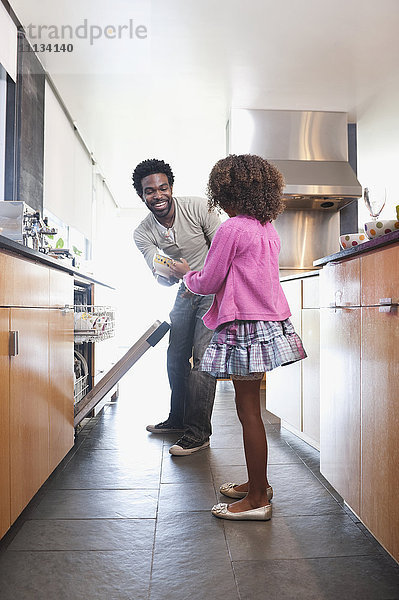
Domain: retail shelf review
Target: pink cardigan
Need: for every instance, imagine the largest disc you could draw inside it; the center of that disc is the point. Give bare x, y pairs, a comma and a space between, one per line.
241, 269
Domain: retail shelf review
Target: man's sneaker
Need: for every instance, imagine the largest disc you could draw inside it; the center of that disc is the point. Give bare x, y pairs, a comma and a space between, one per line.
164, 427
184, 447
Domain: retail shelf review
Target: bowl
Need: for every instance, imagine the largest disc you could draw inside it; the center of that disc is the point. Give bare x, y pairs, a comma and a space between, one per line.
351, 239
376, 229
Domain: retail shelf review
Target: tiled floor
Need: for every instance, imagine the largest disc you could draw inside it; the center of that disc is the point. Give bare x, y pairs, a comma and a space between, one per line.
122, 519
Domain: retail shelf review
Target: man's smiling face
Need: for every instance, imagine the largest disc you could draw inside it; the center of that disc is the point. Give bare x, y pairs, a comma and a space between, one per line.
157, 194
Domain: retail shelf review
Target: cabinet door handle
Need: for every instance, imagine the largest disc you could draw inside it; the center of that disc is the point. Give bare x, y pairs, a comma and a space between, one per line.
386, 305
14, 343
338, 297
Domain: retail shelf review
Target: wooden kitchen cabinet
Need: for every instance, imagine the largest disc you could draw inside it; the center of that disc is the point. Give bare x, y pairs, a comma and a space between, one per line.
359, 451
61, 359
340, 401
5, 507
340, 338
29, 431
36, 384
61, 385
61, 289
380, 425
380, 276
23, 282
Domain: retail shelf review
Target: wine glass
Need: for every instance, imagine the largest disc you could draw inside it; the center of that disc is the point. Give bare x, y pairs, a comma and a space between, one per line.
374, 199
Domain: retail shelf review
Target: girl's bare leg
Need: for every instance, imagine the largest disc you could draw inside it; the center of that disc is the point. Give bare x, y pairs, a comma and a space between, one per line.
255, 445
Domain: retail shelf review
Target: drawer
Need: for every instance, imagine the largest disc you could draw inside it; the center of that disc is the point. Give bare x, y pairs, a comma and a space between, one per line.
340, 284
310, 292
23, 282
61, 289
380, 276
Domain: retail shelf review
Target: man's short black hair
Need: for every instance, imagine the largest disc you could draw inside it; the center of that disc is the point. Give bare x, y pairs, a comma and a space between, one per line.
150, 167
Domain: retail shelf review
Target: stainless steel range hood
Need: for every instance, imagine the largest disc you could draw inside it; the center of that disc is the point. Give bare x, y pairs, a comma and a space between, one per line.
310, 148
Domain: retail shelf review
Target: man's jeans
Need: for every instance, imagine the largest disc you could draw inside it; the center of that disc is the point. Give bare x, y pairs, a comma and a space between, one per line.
193, 391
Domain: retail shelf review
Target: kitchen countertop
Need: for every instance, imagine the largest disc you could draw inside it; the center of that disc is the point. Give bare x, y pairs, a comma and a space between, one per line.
380, 242
40, 257
299, 275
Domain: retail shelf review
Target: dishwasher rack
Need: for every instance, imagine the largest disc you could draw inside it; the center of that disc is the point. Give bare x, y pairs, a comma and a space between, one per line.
93, 323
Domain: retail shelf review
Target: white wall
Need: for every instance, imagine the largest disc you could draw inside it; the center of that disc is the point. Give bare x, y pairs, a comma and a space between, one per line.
378, 147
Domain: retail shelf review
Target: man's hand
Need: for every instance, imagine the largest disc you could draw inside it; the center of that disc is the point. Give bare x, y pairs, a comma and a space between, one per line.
166, 281
180, 268
187, 294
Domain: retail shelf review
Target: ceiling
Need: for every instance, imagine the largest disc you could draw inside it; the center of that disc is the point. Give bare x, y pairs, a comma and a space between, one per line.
168, 95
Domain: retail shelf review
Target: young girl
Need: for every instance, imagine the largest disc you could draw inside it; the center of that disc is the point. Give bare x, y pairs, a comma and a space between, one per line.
249, 314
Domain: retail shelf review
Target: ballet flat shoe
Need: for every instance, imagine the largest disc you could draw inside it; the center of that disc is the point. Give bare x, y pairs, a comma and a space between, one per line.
264, 513
227, 489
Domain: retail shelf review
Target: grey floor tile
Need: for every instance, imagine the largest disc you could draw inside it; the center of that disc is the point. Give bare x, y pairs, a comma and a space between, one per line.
228, 473
97, 504
226, 456
75, 575
224, 418
91, 534
79, 476
278, 454
176, 531
349, 578
282, 454
106, 441
107, 469
201, 580
179, 497
298, 492
111, 458
296, 537
192, 468
120, 499
229, 436
274, 437
191, 566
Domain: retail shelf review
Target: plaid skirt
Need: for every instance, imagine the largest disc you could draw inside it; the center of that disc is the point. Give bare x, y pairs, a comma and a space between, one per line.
245, 347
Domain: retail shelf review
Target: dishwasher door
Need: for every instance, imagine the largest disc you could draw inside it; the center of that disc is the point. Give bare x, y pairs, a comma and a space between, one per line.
149, 339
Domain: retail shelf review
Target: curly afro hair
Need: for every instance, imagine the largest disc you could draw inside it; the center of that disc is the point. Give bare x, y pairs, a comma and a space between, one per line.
150, 167
246, 184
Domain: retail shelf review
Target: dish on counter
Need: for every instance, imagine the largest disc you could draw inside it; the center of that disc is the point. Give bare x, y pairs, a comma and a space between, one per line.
348, 240
376, 229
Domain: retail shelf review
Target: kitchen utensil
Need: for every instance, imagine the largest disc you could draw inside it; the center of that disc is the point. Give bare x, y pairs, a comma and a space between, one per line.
349, 240
376, 229
374, 199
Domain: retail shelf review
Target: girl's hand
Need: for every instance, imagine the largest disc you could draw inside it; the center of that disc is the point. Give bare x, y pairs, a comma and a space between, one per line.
180, 268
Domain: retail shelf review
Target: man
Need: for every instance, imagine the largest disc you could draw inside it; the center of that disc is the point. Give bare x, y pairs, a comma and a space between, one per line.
180, 228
